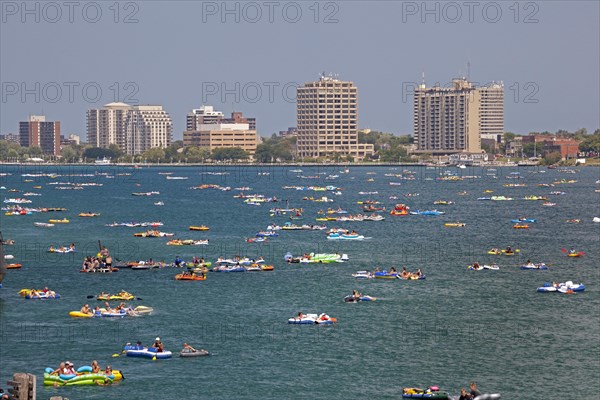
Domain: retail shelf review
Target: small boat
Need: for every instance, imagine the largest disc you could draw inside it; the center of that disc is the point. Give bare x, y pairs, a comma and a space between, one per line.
13, 266
198, 228
541, 266
565, 287
454, 224
520, 226
577, 254
523, 220
322, 319
433, 393
352, 299
194, 353
190, 277
363, 275
59, 221
159, 203
493, 267
146, 352
43, 224
343, 236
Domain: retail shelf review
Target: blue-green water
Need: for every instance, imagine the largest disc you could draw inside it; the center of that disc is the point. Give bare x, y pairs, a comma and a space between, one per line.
452, 328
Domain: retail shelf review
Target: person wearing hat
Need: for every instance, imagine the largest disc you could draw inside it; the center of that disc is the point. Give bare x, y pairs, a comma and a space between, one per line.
158, 345
69, 368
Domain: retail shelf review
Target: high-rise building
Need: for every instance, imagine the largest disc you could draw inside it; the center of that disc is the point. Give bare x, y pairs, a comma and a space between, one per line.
327, 119
206, 115
36, 131
134, 129
202, 115
454, 119
106, 125
214, 136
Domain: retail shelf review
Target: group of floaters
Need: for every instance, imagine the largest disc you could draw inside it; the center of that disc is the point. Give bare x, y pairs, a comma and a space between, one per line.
434, 393
67, 375
391, 274
40, 294
121, 311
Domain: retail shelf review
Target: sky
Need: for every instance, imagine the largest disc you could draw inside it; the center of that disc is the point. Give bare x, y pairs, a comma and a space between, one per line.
62, 58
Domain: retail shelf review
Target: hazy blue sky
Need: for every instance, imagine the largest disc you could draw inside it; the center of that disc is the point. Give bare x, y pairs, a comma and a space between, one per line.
181, 54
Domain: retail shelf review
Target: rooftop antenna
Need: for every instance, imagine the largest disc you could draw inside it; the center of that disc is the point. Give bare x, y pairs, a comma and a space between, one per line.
423, 77
469, 70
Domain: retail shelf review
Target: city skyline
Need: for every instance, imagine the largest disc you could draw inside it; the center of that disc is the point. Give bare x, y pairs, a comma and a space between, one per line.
537, 62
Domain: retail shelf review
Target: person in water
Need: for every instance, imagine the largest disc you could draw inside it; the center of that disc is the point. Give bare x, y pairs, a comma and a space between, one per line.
474, 391
464, 395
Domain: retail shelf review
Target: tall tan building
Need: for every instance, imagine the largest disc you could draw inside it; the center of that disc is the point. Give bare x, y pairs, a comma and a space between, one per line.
453, 120
327, 119
214, 136
134, 129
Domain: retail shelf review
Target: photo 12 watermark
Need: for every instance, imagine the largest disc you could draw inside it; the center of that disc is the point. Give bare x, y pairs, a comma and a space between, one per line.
253, 12
453, 12
516, 92
54, 12
249, 92
68, 92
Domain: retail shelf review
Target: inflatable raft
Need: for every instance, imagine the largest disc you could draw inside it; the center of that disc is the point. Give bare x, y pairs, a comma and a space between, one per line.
493, 267
561, 287
535, 266
352, 299
431, 393
146, 352
197, 353
312, 319
84, 376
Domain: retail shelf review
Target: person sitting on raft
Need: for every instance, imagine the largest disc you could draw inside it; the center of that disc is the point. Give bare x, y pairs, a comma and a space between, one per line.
392, 271
86, 310
158, 345
300, 315
572, 251
474, 391
476, 265
69, 368
508, 250
59, 370
530, 264
188, 349
178, 261
95, 367
356, 294
419, 273
404, 273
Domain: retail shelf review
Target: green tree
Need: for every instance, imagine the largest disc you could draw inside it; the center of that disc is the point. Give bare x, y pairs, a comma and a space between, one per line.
154, 155
94, 153
69, 154
195, 154
229, 154
551, 158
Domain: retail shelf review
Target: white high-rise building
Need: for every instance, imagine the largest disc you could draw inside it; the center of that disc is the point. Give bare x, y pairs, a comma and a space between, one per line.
134, 129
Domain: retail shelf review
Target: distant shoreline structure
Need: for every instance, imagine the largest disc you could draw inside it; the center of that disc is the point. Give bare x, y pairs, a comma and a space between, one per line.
297, 164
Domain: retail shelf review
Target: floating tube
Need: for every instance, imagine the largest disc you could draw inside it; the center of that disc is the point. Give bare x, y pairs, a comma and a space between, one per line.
535, 266
146, 352
352, 299
43, 296
197, 353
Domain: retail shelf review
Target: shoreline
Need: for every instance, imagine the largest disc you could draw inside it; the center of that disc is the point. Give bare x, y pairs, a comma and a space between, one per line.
242, 164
